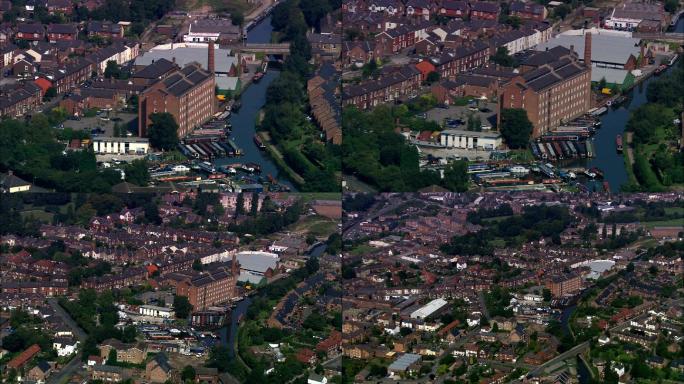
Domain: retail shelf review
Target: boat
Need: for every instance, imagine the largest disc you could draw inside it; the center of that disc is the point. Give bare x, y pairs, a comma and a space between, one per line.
258, 142
673, 60
609, 103
618, 143
619, 100
236, 106
597, 171
589, 174
257, 77
606, 186
660, 69
599, 111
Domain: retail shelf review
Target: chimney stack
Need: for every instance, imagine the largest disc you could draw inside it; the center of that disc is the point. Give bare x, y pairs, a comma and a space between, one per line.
587, 49
210, 57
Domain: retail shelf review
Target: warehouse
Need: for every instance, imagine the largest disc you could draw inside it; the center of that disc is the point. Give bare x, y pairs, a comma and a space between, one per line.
428, 309
609, 49
404, 364
156, 311
459, 138
121, 145
254, 266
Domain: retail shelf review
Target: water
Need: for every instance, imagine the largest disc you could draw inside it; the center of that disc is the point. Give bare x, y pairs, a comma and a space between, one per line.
244, 121
228, 338
244, 129
261, 33
613, 123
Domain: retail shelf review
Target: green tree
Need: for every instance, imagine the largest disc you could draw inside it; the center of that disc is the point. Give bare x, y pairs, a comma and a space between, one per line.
456, 176
188, 373
163, 131
432, 77
502, 57
240, 205
181, 306
237, 18
516, 128
112, 70
50, 93
254, 209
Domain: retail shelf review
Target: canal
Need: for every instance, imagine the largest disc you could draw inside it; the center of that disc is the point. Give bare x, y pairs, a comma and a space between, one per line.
613, 123
229, 332
244, 120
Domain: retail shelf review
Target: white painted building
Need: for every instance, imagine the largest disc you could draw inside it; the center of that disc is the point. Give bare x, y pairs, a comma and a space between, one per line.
155, 311
64, 346
458, 138
121, 145
428, 309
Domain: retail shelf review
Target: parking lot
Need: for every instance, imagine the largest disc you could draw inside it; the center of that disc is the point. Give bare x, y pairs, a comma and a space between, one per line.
462, 113
127, 120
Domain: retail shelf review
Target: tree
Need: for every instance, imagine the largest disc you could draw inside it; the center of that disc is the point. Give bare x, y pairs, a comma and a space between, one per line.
502, 57
137, 172
432, 77
240, 205
671, 5
188, 373
197, 265
456, 176
152, 213
50, 93
254, 209
516, 128
546, 293
163, 131
237, 18
112, 70
181, 306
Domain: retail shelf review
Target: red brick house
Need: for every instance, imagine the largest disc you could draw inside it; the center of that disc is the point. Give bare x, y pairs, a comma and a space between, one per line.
61, 32
60, 6
528, 11
425, 67
306, 356
454, 8
31, 32
484, 10
462, 59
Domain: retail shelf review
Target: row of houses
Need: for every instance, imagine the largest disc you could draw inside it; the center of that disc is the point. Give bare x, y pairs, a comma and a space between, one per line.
482, 10
70, 31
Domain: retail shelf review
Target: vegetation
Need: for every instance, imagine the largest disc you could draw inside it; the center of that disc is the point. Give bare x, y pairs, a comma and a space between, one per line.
502, 57
373, 152
163, 131
658, 165
516, 128
295, 136
534, 223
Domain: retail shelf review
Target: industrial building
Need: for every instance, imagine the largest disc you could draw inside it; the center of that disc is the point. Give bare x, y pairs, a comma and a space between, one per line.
121, 145
459, 138
554, 87
255, 265
187, 94
428, 309
407, 362
210, 288
156, 311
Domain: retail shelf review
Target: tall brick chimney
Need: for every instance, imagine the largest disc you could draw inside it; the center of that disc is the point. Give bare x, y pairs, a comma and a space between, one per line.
587, 49
210, 58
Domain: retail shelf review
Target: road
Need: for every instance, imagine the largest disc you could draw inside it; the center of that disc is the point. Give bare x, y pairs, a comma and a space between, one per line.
73, 365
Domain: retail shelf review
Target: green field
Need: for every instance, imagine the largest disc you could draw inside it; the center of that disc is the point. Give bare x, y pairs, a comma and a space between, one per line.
665, 223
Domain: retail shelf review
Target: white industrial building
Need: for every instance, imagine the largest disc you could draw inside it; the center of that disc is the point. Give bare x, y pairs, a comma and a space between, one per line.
155, 311
255, 265
121, 145
428, 309
459, 138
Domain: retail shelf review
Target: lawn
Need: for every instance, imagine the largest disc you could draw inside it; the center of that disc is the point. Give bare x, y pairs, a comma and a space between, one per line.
310, 196
665, 223
318, 226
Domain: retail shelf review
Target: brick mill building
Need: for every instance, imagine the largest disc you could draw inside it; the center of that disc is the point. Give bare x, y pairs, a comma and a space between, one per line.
188, 94
554, 87
210, 288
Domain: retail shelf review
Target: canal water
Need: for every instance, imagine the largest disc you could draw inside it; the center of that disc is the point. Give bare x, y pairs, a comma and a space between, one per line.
244, 120
229, 332
613, 123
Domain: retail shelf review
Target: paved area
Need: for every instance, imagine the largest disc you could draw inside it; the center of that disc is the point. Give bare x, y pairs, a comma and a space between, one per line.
88, 123
75, 363
456, 153
463, 112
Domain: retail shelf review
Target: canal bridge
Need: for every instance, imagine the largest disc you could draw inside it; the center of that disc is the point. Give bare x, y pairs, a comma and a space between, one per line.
670, 37
280, 49
570, 353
